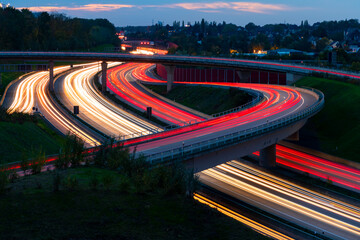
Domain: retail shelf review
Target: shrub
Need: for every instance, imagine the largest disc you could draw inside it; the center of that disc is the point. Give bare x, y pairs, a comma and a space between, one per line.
56, 181
4, 180
71, 183
37, 162
94, 182
107, 181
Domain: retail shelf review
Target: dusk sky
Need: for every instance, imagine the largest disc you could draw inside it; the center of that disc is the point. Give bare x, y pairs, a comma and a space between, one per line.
144, 12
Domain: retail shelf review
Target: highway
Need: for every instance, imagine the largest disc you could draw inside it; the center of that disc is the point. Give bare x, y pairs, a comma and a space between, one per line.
326, 216
301, 206
123, 84
339, 174
78, 88
33, 91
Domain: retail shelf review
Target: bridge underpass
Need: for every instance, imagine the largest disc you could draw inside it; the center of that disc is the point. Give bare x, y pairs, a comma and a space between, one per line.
265, 143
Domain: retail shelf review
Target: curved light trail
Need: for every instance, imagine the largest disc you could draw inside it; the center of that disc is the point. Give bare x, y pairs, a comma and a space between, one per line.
32, 91
327, 216
121, 83
338, 173
311, 210
77, 89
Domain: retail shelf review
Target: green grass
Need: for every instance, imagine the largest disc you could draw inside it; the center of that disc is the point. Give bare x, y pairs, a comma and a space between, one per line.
28, 137
32, 211
337, 126
6, 79
208, 100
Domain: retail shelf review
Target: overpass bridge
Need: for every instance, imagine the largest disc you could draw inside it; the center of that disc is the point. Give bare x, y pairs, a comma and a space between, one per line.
171, 61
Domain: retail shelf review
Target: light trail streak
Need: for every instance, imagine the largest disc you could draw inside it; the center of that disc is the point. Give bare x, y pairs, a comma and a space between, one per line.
33, 92
247, 221
292, 202
96, 109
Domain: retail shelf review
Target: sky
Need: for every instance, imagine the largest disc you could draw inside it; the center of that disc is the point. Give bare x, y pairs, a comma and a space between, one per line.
146, 12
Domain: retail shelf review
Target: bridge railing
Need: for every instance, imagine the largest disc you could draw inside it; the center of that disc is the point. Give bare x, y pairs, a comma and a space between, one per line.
188, 151
258, 98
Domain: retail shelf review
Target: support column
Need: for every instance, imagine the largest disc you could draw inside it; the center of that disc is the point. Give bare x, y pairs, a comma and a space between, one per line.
170, 77
294, 137
51, 75
244, 76
103, 76
268, 156
292, 78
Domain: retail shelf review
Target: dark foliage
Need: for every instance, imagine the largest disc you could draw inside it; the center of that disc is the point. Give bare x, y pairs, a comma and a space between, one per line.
23, 30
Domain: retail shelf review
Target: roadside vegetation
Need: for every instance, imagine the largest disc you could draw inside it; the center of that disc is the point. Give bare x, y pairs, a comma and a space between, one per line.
208, 100
115, 195
6, 78
336, 129
23, 134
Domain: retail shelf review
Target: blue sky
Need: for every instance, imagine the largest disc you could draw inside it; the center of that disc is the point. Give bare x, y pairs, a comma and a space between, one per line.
144, 12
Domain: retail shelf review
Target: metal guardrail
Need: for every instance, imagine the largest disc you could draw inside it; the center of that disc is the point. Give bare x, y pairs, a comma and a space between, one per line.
259, 96
188, 151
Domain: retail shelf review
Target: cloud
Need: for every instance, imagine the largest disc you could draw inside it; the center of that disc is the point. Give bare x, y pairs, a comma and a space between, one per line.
211, 7
87, 7
254, 7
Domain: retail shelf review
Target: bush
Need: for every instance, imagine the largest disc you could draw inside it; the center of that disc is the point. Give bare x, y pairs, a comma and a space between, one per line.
4, 180
56, 181
94, 182
107, 181
37, 162
71, 183
71, 152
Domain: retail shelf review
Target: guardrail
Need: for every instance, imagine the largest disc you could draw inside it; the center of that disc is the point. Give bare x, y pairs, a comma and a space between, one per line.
258, 98
188, 151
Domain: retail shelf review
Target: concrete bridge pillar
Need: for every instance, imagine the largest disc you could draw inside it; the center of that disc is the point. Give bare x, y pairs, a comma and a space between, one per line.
294, 137
268, 156
103, 76
51, 75
292, 78
244, 76
170, 76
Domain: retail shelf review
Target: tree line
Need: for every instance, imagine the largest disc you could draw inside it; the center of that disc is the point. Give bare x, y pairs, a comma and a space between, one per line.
25, 30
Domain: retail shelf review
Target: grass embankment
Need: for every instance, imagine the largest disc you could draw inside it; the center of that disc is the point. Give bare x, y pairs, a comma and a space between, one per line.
336, 129
6, 78
208, 100
17, 139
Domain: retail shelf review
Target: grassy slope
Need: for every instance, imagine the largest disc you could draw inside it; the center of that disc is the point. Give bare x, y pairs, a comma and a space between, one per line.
7, 78
37, 213
208, 100
337, 126
17, 138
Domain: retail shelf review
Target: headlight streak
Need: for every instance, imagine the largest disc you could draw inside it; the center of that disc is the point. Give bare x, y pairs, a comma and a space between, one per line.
247, 221
108, 117
271, 193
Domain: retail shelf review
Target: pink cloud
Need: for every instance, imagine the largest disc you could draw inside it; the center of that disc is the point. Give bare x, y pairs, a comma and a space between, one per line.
88, 7
254, 7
